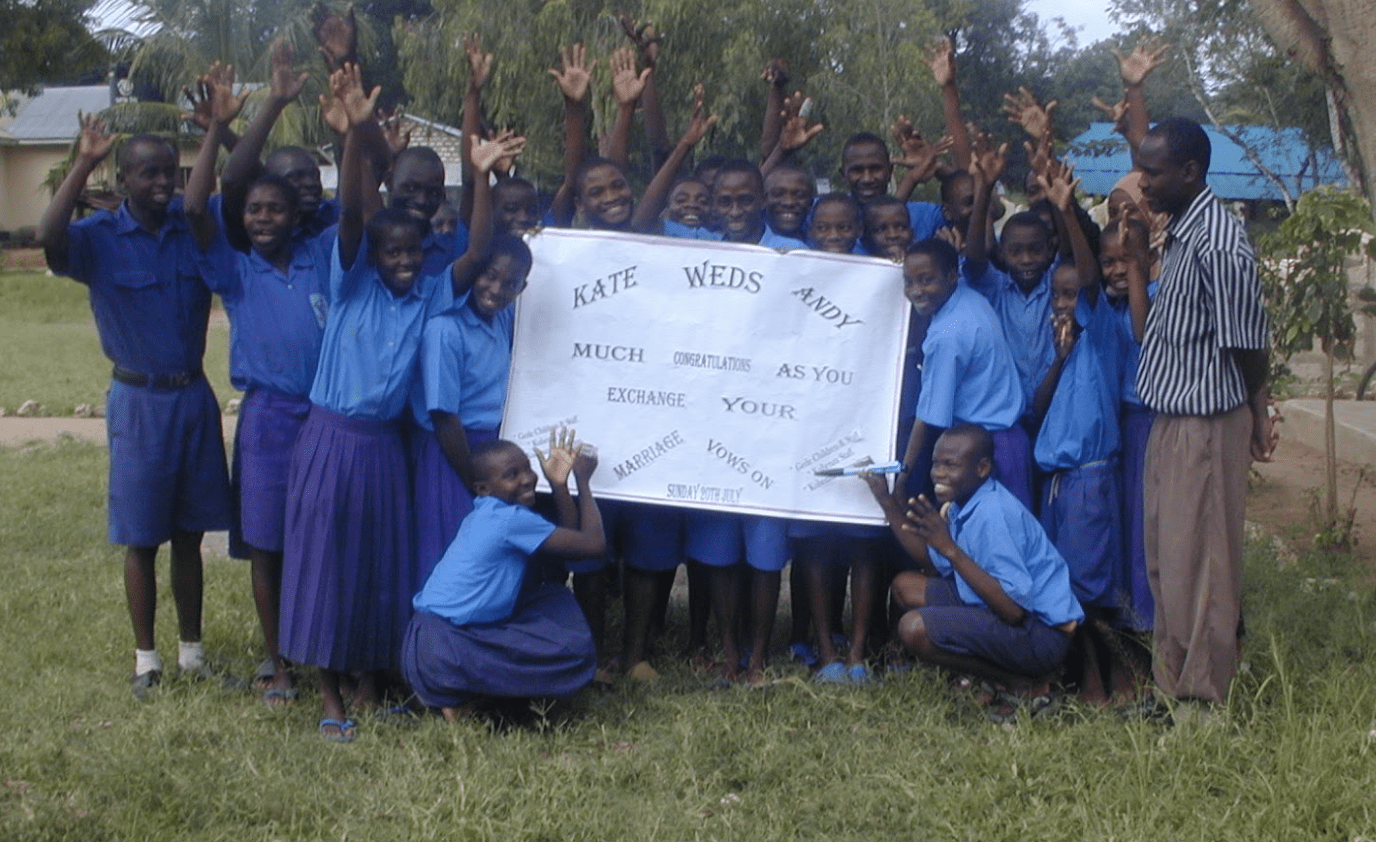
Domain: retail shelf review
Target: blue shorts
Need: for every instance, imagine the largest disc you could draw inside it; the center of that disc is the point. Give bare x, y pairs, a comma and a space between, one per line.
721, 539
1082, 515
167, 463
1033, 648
647, 537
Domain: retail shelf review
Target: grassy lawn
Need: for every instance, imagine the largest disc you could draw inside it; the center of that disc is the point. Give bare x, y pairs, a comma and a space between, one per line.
51, 351
1294, 758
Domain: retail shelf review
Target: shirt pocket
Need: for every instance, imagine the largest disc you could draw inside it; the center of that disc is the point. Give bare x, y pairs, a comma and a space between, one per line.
135, 279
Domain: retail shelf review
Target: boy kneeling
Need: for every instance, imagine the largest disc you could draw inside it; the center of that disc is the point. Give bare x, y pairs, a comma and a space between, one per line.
994, 597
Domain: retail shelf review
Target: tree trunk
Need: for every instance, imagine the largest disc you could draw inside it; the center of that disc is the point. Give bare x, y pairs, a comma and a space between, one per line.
1330, 443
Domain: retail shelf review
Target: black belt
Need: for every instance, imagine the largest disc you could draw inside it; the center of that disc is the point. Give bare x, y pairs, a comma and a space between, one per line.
155, 381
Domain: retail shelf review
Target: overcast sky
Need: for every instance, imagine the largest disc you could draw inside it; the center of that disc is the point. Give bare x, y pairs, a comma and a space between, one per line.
1089, 17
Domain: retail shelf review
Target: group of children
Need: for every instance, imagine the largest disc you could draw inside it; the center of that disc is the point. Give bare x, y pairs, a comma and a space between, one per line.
390, 529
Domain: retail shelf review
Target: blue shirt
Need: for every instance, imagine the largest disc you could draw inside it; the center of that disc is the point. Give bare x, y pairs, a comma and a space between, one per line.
1025, 318
479, 577
926, 219
1129, 347
276, 321
768, 238
464, 363
150, 304
326, 216
443, 249
685, 232
967, 371
1081, 423
372, 339
1000, 535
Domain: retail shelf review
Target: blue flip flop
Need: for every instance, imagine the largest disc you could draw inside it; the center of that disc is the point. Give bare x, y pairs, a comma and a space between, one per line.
860, 674
833, 673
803, 654
279, 696
344, 728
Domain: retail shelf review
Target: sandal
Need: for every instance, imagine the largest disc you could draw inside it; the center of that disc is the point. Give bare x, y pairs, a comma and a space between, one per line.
832, 673
343, 730
279, 696
860, 675
803, 654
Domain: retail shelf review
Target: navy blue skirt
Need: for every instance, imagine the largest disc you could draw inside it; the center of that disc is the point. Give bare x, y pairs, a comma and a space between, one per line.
442, 501
544, 650
349, 568
263, 440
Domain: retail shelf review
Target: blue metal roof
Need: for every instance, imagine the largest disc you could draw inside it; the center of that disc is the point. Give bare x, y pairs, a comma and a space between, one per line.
1101, 157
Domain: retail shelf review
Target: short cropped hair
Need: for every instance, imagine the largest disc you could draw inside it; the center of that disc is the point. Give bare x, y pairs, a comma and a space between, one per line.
949, 182
1028, 219
590, 164
864, 139
740, 165
836, 198
511, 246
127, 148
480, 457
1186, 140
267, 179
940, 252
387, 218
981, 438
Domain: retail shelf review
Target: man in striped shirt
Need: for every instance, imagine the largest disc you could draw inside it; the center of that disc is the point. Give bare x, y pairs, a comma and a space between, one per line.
1203, 370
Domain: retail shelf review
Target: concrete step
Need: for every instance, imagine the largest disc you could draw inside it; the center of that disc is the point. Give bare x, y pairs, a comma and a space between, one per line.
1354, 423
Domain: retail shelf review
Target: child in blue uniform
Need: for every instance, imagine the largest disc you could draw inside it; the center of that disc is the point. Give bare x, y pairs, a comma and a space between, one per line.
688, 208
788, 194
868, 170
994, 596
483, 625
275, 298
349, 568
888, 231
168, 478
835, 224
968, 375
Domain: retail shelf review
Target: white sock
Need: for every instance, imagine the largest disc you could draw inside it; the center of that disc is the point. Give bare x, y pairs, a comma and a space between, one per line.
190, 656
146, 660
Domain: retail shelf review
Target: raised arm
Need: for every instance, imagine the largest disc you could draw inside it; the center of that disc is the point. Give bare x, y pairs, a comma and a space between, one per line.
657, 193
894, 515
941, 59
483, 157
217, 87
244, 162
92, 145
479, 71
794, 134
578, 535
1060, 186
919, 157
1135, 236
1134, 69
200, 115
932, 527
986, 166
627, 86
647, 43
776, 74
347, 86
573, 78
1063, 332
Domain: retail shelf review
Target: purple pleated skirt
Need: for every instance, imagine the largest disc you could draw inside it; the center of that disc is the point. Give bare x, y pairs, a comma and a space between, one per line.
543, 650
1013, 463
349, 569
263, 440
442, 501
1140, 611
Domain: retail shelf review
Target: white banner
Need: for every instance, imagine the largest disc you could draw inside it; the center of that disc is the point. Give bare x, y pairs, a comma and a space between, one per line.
711, 375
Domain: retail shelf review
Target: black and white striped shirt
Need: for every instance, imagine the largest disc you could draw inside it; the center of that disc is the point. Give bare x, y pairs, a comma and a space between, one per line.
1209, 302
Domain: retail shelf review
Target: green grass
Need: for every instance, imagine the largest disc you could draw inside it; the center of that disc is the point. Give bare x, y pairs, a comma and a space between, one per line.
52, 353
1294, 757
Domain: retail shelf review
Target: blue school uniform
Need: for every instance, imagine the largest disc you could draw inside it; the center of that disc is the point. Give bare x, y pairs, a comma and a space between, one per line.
1024, 318
1078, 448
481, 628
464, 363
277, 322
349, 568
968, 376
926, 219
167, 460
443, 249
1005, 540
1139, 611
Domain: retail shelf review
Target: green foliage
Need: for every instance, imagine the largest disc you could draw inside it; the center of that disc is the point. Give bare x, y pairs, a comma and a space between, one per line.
1306, 285
46, 42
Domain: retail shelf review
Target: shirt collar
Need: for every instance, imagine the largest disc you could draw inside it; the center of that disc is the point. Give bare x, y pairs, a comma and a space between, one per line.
125, 223
1188, 217
960, 513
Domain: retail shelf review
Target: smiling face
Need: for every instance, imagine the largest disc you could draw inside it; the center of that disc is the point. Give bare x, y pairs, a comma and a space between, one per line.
834, 227
497, 285
888, 231
416, 185
957, 468
689, 203
515, 207
1065, 290
269, 217
148, 175
738, 204
788, 196
299, 169
1027, 253
397, 254
925, 284
1114, 263
604, 198
865, 167
506, 474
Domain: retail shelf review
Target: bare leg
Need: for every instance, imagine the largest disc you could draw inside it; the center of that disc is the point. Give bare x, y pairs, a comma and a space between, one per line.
638, 600
188, 578
800, 601
813, 558
590, 589
764, 590
699, 605
913, 632
141, 593
864, 592
267, 597
725, 601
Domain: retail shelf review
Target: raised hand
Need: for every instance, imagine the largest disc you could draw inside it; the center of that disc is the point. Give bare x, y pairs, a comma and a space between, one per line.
627, 85
333, 115
986, 162
95, 141
397, 139
479, 62
585, 462
915, 152
951, 235
1116, 113
576, 74
1039, 154
698, 124
346, 84
559, 462
1064, 334
486, 154
1058, 180
218, 87
284, 84
775, 72
930, 525
941, 58
338, 36
794, 133
1024, 110
1136, 66
644, 37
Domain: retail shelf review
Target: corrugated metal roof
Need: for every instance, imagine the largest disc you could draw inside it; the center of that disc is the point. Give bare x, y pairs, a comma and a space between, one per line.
1101, 157
52, 115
